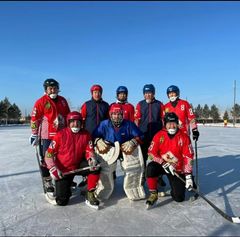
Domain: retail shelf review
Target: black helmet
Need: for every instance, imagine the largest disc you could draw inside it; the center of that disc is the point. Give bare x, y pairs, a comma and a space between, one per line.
50, 82
170, 117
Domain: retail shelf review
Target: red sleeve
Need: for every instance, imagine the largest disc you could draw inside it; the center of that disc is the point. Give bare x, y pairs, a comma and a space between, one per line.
89, 148
36, 116
154, 151
137, 115
83, 111
131, 113
52, 151
188, 155
191, 116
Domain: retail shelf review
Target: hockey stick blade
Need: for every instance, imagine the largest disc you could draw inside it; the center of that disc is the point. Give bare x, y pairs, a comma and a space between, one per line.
233, 219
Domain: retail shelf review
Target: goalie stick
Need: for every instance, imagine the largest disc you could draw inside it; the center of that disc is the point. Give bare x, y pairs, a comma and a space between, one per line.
233, 219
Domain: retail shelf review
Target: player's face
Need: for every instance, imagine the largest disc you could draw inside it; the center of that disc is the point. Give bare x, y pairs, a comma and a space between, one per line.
97, 95
52, 90
149, 96
122, 96
171, 127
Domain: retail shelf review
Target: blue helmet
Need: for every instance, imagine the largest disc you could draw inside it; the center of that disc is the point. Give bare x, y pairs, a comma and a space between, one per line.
122, 89
149, 88
173, 88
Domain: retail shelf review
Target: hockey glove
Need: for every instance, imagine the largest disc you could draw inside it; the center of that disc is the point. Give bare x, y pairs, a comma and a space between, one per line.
102, 146
55, 173
195, 134
92, 162
129, 146
169, 169
33, 139
189, 182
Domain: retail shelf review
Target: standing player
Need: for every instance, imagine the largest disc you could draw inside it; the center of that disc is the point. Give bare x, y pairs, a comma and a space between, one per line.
48, 116
148, 117
187, 119
128, 108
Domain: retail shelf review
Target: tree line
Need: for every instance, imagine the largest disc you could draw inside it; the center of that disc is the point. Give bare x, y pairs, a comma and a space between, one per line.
10, 113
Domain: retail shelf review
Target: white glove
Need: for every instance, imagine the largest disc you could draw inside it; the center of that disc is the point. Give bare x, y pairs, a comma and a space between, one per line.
102, 146
169, 169
129, 146
92, 162
33, 139
189, 182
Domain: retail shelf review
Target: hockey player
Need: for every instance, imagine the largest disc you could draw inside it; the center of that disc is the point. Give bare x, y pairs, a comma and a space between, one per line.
148, 117
128, 108
183, 110
69, 150
93, 112
170, 151
48, 116
117, 129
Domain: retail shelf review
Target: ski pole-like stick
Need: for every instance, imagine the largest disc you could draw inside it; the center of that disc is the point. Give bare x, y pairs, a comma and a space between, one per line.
196, 160
81, 169
233, 219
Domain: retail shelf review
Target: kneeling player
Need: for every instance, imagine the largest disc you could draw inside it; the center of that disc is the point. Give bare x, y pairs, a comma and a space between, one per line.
72, 149
170, 151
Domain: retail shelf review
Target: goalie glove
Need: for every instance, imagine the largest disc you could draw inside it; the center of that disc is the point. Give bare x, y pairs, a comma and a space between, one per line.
129, 146
102, 146
55, 173
189, 182
169, 169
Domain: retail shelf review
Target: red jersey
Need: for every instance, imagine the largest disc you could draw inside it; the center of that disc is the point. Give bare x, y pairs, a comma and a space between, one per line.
67, 149
179, 146
128, 110
185, 114
50, 115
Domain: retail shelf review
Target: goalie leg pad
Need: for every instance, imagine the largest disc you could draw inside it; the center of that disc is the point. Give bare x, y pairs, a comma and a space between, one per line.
105, 184
133, 167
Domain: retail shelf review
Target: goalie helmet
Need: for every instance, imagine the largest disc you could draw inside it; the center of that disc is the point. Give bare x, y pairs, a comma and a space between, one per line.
116, 109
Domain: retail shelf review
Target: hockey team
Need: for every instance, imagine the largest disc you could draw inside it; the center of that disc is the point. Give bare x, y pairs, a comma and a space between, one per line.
149, 142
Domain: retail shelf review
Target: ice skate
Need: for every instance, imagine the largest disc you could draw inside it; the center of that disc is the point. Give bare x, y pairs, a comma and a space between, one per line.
48, 185
152, 199
91, 200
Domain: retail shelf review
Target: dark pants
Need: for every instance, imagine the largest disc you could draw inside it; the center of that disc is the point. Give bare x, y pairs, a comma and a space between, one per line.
154, 169
63, 186
44, 144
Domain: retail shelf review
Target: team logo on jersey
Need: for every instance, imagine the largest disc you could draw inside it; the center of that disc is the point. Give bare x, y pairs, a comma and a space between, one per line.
49, 155
33, 125
47, 105
161, 140
166, 110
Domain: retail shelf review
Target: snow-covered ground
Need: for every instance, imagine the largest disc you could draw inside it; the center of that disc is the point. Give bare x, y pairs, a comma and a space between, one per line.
25, 212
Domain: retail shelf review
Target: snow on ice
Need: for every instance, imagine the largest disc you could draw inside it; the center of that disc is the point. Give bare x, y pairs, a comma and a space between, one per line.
25, 212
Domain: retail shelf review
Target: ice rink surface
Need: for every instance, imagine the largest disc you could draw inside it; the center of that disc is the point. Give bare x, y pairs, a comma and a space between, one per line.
25, 212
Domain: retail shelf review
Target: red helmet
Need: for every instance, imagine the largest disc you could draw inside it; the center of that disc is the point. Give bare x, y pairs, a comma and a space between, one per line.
116, 108
96, 88
74, 115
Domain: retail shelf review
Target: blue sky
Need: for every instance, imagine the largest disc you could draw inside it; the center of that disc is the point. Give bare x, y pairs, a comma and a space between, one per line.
194, 45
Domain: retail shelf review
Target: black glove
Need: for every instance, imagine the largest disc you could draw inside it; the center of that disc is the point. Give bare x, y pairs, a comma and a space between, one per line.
195, 134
